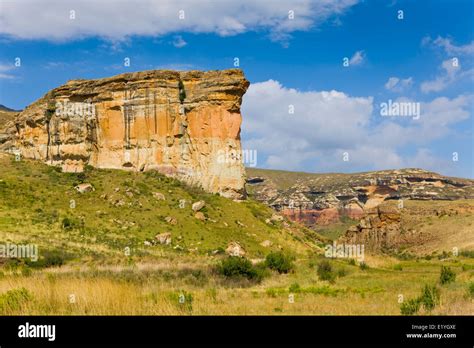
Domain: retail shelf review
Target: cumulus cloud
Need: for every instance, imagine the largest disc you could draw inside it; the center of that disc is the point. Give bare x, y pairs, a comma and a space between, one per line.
396, 84
28, 19
326, 124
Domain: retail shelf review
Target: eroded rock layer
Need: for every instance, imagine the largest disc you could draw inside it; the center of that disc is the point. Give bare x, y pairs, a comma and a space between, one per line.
183, 124
323, 199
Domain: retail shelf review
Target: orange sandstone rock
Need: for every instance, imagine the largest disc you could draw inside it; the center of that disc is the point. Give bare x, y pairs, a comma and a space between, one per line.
177, 123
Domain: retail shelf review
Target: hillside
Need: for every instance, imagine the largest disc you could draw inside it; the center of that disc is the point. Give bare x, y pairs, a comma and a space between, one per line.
426, 212
127, 209
100, 255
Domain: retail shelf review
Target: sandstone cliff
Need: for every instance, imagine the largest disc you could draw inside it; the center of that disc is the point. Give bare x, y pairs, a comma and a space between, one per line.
323, 199
183, 124
416, 227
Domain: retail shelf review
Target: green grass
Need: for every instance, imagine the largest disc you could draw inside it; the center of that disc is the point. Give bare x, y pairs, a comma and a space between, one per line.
82, 253
35, 207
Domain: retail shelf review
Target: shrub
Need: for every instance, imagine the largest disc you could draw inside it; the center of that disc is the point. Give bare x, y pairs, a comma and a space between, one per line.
325, 271
271, 292
323, 290
280, 262
341, 272
429, 297
467, 253
182, 92
295, 287
239, 267
14, 299
68, 223
410, 307
398, 267
447, 275
470, 290
363, 266
50, 259
352, 262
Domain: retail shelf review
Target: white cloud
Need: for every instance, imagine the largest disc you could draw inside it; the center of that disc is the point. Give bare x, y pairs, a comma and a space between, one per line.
357, 58
50, 19
447, 45
325, 124
4, 69
451, 72
179, 42
396, 84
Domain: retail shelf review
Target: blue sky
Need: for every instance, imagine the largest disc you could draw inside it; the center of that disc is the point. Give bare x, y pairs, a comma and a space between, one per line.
296, 62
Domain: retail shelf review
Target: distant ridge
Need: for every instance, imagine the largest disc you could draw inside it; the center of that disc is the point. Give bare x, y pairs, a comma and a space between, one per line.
4, 108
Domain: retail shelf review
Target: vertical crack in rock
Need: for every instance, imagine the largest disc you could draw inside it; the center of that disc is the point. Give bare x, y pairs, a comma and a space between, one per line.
178, 123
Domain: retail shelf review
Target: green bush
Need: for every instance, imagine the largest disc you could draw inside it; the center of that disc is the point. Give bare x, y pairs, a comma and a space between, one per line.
239, 267
49, 259
410, 307
363, 266
398, 267
447, 275
69, 223
429, 297
352, 262
467, 253
14, 299
470, 290
295, 287
182, 92
341, 272
325, 271
280, 262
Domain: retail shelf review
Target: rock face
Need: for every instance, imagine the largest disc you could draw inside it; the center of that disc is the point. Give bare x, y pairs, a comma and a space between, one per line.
323, 199
416, 227
379, 229
182, 124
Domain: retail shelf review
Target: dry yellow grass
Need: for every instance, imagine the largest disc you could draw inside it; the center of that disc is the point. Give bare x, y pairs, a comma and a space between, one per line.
108, 291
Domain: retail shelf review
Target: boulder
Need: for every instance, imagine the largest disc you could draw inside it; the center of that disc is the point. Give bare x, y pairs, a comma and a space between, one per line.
159, 196
83, 188
235, 249
276, 218
200, 216
171, 220
198, 205
164, 238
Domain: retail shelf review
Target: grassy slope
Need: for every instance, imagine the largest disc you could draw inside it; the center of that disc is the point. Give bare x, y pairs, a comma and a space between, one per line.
35, 202
34, 199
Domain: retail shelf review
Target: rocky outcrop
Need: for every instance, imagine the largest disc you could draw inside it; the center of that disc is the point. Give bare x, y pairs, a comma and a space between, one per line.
323, 199
415, 227
182, 124
379, 229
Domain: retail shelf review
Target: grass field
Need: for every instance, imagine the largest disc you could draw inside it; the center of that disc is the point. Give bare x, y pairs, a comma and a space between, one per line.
93, 257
